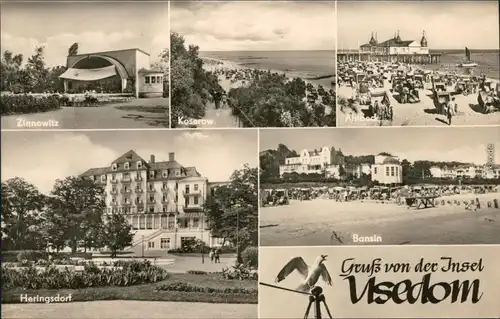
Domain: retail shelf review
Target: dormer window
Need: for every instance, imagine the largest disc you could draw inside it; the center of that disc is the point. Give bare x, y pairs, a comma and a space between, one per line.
165, 174
114, 167
139, 164
113, 199
152, 174
113, 177
177, 173
92, 177
127, 165
103, 178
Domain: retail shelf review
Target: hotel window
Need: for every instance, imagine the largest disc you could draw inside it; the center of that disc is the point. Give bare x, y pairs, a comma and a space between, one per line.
160, 79
196, 187
126, 189
153, 79
165, 243
126, 176
156, 223
113, 199
114, 167
171, 221
134, 222
165, 174
151, 209
195, 200
392, 170
151, 244
151, 187
149, 221
138, 175
186, 202
127, 165
164, 198
165, 186
113, 177
187, 189
151, 199
127, 210
387, 171
139, 164
177, 173
196, 222
113, 190
152, 174
375, 170
146, 80
142, 222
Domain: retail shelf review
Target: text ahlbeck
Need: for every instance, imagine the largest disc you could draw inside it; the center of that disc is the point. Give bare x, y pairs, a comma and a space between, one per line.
406, 291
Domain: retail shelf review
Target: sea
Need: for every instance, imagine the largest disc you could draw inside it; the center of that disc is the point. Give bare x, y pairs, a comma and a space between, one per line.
315, 66
488, 61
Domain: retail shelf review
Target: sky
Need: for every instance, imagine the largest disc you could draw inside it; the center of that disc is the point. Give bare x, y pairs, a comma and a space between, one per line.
464, 144
293, 305
255, 26
448, 24
95, 26
42, 157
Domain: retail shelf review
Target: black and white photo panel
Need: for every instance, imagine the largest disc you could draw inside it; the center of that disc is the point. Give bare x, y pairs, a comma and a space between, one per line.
379, 186
257, 63
85, 65
418, 63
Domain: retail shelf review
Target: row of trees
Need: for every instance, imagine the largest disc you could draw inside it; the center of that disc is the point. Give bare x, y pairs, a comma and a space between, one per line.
412, 173
72, 215
191, 84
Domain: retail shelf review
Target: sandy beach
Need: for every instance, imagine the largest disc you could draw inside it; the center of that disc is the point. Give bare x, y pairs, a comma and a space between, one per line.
313, 222
422, 113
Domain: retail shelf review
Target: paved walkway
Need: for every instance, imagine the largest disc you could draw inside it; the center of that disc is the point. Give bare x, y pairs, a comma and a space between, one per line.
128, 309
136, 114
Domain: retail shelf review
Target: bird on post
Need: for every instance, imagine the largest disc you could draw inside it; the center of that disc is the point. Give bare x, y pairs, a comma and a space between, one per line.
310, 274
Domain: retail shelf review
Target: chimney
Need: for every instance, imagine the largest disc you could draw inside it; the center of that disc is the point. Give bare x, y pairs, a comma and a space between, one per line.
171, 157
152, 159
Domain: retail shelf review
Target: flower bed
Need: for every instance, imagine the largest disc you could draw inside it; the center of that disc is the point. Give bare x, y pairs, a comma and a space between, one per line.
35, 103
186, 287
67, 277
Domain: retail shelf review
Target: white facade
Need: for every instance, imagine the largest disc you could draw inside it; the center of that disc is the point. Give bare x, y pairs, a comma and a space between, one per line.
467, 171
387, 170
162, 201
321, 161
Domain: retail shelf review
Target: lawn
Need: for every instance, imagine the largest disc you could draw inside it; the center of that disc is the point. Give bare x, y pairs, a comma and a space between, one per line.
149, 292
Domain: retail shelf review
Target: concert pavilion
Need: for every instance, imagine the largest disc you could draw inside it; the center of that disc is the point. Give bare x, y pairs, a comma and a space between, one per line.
113, 72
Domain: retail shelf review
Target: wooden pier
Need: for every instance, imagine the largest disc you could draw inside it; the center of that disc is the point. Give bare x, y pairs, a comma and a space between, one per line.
345, 56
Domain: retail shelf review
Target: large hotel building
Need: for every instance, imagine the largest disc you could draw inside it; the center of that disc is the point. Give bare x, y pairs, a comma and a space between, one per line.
163, 201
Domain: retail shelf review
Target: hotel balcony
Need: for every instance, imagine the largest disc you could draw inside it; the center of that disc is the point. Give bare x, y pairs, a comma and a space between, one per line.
153, 190
114, 204
126, 204
113, 181
165, 189
126, 191
138, 179
139, 191
152, 201
113, 192
126, 180
192, 193
193, 208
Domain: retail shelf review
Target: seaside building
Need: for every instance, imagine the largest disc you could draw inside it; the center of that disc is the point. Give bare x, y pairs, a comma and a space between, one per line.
162, 201
392, 50
120, 71
466, 171
387, 169
319, 161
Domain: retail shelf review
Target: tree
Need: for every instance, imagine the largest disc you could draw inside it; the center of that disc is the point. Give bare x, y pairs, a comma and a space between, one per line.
36, 71
117, 233
10, 70
232, 210
22, 208
73, 49
74, 202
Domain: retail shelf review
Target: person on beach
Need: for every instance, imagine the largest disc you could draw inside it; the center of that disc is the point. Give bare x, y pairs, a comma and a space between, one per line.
217, 256
449, 111
455, 106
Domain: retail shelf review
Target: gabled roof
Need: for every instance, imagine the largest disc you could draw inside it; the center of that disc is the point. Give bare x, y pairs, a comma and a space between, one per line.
96, 171
130, 156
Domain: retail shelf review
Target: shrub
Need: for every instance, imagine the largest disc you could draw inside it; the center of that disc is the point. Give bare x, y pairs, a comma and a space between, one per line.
92, 276
185, 287
239, 272
24, 103
32, 255
250, 257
